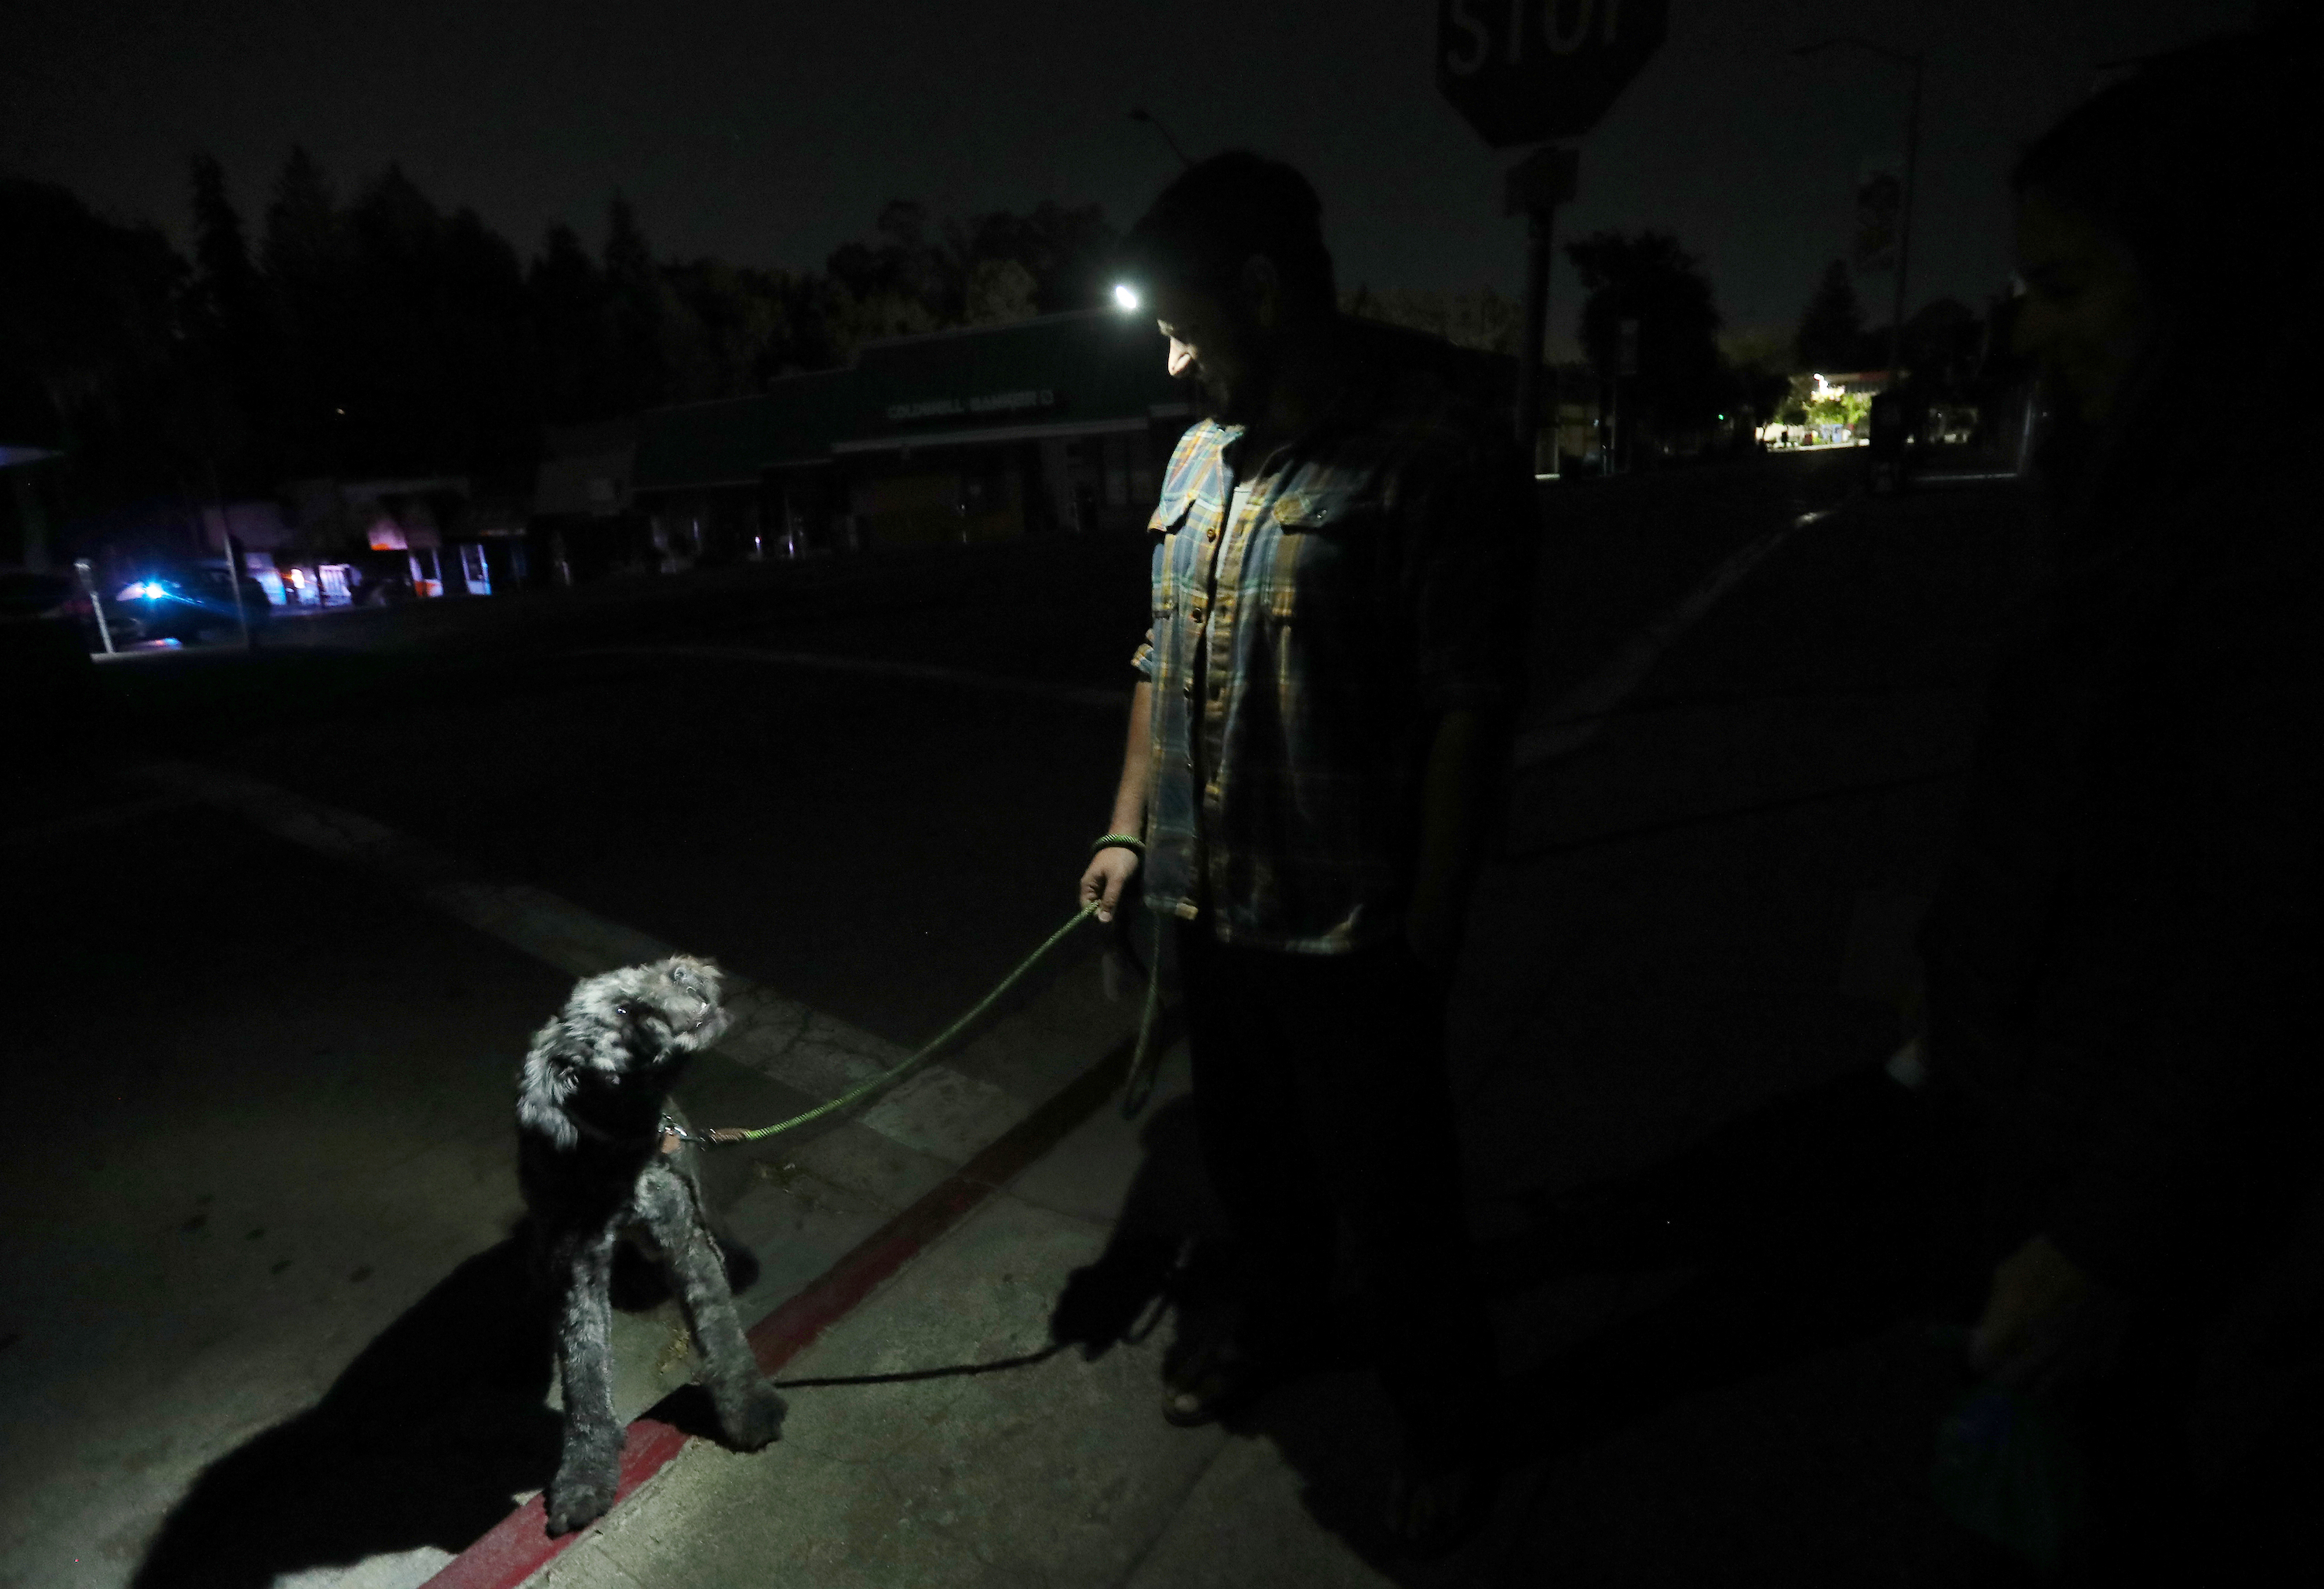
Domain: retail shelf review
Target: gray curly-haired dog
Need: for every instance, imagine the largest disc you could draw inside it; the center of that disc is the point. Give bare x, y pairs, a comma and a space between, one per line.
591, 1106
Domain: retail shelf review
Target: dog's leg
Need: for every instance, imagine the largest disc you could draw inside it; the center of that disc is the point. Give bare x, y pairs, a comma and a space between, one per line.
749, 1408
591, 1467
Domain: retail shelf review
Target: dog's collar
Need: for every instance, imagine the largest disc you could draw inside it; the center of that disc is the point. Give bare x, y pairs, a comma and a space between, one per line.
674, 1136
665, 1130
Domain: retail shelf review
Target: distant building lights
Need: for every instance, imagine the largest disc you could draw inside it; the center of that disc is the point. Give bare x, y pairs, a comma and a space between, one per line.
1125, 297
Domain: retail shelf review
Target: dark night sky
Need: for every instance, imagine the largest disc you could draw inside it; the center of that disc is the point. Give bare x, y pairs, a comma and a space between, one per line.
767, 132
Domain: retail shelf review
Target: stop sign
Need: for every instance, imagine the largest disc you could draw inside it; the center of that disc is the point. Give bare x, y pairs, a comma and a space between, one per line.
1524, 70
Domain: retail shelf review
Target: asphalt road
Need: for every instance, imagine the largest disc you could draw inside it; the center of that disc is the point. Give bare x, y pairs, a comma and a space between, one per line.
246, 1139
823, 829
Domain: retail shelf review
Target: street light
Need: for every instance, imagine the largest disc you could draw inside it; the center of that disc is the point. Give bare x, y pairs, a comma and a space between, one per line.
1912, 155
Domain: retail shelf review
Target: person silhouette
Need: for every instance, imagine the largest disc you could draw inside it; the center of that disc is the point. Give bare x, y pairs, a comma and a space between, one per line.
2110, 1129
1339, 580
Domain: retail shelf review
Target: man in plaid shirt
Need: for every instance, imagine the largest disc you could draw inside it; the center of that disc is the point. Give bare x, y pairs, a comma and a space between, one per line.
1341, 567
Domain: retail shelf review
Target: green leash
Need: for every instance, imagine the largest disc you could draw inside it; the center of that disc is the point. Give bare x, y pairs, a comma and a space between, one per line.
1141, 1067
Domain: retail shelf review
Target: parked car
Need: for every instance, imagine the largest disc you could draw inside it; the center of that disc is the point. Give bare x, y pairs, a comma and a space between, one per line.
192, 602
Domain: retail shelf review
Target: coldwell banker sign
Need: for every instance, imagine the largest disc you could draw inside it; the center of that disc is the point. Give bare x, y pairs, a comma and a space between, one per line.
991, 402
1526, 70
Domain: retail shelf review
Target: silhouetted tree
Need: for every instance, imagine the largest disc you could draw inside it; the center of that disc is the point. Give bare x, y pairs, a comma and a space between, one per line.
1001, 291
1479, 317
392, 371
918, 273
226, 282
905, 279
1832, 331
436, 380
302, 222
575, 377
1064, 250
1759, 364
634, 298
229, 340
383, 334
1648, 278
304, 260
91, 324
727, 329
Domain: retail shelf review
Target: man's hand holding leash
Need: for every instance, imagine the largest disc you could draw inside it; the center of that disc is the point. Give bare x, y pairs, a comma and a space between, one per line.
1108, 874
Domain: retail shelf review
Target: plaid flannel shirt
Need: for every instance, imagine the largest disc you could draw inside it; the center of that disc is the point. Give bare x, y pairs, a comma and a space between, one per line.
1312, 625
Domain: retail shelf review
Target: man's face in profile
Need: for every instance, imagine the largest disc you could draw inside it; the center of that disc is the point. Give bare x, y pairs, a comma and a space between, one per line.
2086, 315
1219, 348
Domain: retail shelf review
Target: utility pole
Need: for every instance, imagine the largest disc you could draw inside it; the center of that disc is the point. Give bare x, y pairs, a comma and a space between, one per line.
232, 554
96, 602
1912, 162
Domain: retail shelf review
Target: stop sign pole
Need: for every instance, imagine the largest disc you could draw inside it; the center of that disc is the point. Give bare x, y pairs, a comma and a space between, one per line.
1536, 187
1531, 71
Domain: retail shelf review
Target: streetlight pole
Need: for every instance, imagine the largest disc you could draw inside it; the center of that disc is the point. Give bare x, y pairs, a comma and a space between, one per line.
1904, 225
1911, 163
1139, 113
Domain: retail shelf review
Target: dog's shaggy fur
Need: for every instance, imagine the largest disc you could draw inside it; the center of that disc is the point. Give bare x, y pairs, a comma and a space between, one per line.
590, 1105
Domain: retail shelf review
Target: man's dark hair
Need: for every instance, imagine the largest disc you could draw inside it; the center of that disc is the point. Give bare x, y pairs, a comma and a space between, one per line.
1220, 213
2197, 162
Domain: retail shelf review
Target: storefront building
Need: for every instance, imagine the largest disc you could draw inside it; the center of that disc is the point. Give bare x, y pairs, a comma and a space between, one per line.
1055, 425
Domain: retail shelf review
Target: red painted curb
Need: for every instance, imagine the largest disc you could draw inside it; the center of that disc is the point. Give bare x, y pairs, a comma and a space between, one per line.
520, 1545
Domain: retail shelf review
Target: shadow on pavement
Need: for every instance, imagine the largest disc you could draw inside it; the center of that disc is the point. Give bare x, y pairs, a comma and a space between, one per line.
1793, 1232
1165, 1252
423, 1440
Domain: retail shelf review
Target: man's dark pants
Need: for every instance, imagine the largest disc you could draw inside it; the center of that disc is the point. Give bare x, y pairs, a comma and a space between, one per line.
1321, 1098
